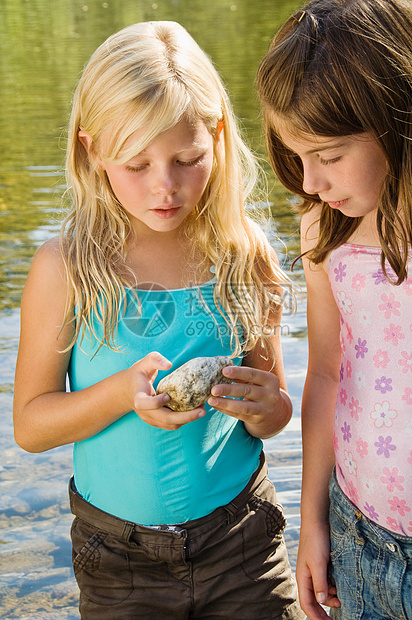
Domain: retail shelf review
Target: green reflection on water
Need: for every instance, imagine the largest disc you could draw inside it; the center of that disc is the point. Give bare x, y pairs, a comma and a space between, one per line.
43, 48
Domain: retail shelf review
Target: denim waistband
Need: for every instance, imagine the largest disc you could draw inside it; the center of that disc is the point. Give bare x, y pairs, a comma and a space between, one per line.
355, 518
124, 529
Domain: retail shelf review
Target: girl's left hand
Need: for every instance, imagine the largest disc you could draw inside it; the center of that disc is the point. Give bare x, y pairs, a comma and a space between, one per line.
255, 397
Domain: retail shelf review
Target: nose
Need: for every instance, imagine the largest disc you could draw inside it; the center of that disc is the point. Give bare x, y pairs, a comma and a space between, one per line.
314, 179
165, 181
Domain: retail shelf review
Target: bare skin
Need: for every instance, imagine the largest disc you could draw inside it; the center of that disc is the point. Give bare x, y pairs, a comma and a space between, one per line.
45, 415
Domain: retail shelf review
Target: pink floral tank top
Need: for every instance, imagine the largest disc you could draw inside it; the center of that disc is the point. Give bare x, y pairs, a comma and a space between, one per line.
373, 422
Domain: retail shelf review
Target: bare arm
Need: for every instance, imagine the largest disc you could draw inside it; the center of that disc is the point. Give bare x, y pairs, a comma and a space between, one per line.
318, 408
45, 416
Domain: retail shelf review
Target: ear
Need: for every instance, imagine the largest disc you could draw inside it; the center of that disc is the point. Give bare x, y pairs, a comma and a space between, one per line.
85, 139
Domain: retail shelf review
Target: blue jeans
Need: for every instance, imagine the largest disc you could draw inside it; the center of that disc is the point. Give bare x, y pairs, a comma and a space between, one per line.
371, 566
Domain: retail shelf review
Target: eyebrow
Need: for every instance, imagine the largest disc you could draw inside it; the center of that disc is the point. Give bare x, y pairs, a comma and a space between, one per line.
194, 146
328, 147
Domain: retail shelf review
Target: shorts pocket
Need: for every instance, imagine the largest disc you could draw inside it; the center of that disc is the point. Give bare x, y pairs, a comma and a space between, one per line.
262, 535
341, 534
346, 547
100, 564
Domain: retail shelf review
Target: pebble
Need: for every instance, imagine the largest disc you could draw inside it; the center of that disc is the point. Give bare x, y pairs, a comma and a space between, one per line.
190, 385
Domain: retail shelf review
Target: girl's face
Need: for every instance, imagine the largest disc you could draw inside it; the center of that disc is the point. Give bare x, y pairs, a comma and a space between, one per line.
161, 185
347, 172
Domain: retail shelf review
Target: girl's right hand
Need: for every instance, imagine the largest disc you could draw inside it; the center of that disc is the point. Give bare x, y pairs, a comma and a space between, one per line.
151, 407
312, 573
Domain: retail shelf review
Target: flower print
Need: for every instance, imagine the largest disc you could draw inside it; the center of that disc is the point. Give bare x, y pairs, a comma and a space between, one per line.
381, 359
390, 305
407, 397
350, 463
341, 372
348, 369
362, 447
335, 442
406, 362
410, 526
383, 415
393, 524
383, 385
407, 287
340, 272
361, 349
410, 458
344, 302
384, 445
393, 333
342, 342
392, 479
358, 282
352, 492
355, 252
379, 277
368, 485
365, 317
343, 396
371, 512
399, 505
360, 380
346, 432
349, 335
355, 409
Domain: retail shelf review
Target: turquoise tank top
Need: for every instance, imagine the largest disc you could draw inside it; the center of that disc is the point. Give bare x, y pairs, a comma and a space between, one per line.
149, 475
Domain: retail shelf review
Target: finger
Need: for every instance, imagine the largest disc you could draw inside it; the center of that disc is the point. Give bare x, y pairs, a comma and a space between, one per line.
240, 390
322, 588
184, 417
144, 402
247, 374
241, 409
172, 420
308, 601
151, 363
332, 599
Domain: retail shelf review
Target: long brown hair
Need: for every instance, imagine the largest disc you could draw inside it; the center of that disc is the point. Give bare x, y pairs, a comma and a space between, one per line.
338, 68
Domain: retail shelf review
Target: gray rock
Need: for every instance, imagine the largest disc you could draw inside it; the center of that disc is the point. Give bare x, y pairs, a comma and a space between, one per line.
189, 386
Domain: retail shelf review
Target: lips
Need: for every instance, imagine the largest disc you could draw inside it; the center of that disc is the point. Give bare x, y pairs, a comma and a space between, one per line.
166, 211
338, 204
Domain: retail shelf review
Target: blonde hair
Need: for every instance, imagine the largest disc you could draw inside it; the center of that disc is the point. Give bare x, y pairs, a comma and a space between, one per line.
344, 67
151, 75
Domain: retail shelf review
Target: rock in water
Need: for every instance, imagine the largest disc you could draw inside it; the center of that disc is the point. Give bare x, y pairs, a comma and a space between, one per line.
190, 385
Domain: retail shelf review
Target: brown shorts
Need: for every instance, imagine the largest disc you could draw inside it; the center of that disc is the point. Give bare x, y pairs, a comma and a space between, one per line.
231, 564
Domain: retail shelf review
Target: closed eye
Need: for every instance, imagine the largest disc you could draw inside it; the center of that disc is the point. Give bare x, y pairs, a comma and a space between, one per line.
326, 162
136, 168
191, 162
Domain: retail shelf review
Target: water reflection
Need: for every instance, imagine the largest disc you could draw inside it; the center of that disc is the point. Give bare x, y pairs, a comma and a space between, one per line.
43, 48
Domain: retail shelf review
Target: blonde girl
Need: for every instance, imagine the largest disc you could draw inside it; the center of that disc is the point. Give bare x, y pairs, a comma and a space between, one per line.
336, 87
158, 263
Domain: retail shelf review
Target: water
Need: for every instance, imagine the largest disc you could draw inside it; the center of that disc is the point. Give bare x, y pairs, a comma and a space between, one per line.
43, 48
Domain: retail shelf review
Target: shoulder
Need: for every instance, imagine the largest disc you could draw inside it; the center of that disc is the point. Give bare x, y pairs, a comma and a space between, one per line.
47, 271
309, 229
49, 256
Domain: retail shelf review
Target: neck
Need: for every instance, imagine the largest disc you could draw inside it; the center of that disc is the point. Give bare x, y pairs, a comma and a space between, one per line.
367, 231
